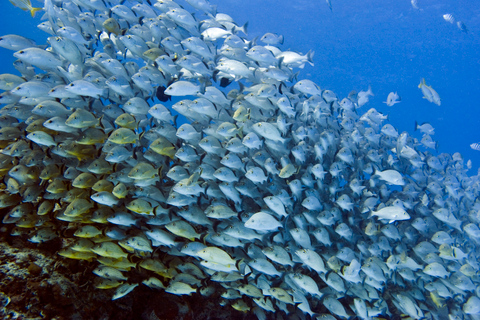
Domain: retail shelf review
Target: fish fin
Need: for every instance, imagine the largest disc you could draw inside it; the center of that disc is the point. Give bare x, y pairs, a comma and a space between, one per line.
280, 61
310, 54
175, 120
34, 11
202, 87
214, 75
280, 87
240, 132
422, 82
241, 87
243, 28
294, 77
369, 91
370, 214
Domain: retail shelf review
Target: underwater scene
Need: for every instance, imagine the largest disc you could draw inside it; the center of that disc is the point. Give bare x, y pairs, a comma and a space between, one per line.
256, 159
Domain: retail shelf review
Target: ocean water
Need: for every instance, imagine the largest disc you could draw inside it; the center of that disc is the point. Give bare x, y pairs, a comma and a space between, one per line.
385, 44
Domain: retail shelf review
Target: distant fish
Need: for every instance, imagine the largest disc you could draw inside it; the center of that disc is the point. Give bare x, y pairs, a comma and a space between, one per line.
429, 93
363, 96
475, 146
428, 142
462, 26
415, 4
449, 18
272, 39
329, 4
25, 5
392, 98
425, 128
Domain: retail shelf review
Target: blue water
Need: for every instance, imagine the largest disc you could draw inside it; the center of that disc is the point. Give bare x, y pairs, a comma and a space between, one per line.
386, 44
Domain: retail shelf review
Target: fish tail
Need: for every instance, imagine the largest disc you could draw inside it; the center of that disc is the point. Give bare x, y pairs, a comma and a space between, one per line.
310, 56
369, 91
422, 82
34, 11
244, 28
370, 214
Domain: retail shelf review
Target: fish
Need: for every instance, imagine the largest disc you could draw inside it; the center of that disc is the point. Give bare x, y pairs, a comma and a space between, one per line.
184, 88
391, 177
272, 39
262, 221
25, 5
392, 99
123, 290
391, 214
363, 97
449, 18
462, 27
41, 138
475, 146
429, 93
38, 57
425, 128
329, 3
15, 42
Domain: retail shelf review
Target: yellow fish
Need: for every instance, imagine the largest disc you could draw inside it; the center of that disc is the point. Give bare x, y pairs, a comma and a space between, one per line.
120, 191
103, 185
92, 136
82, 245
158, 267
163, 147
25, 5
140, 206
144, 171
69, 253
111, 25
126, 120
107, 284
84, 180
87, 232
109, 250
121, 264
123, 136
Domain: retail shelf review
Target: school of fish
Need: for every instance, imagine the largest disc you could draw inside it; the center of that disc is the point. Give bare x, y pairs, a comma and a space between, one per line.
162, 143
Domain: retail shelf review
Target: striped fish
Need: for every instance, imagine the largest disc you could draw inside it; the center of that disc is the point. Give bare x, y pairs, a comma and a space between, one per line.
475, 146
449, 18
